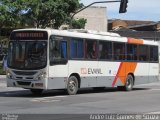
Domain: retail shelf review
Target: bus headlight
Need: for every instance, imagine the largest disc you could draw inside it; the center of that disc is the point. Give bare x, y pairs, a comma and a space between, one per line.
9, 74
41, 76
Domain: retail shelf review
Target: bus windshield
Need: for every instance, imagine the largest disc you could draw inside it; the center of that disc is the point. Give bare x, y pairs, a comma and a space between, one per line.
27, 55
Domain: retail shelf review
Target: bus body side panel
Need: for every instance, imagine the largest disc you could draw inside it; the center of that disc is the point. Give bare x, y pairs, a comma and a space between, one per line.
58, 75
121, 71
153, 72
97, 74
117, 73
87, 71
108, 73
142, 73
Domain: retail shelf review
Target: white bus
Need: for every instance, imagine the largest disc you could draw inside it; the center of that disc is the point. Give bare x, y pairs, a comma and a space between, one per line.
43, 59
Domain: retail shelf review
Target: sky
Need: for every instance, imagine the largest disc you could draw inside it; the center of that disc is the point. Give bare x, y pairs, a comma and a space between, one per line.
147, 10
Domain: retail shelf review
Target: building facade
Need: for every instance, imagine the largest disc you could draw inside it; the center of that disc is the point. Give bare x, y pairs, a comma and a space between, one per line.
96, 18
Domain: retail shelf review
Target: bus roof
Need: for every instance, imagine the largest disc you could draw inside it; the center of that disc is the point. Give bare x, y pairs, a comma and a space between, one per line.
90, 34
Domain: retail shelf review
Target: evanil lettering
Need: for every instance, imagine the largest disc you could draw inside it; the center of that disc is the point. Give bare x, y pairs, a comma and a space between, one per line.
94, 71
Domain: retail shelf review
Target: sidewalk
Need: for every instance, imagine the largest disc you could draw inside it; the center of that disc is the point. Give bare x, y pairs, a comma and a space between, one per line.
2, 78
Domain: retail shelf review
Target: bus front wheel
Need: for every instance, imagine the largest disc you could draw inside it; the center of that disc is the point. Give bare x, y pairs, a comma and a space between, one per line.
129, 83
72, 85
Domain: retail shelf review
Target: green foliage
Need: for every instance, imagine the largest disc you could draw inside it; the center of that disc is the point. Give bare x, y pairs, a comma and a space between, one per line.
78, 24
11, 12
38, 13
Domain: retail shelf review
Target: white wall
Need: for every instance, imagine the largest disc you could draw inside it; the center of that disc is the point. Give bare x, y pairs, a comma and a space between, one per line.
96, 18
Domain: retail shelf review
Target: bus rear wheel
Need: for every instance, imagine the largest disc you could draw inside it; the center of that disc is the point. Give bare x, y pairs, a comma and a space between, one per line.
129, 83
72, 85
36, 91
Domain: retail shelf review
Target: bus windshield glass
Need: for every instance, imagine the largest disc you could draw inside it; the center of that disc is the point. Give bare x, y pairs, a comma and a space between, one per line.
27, 55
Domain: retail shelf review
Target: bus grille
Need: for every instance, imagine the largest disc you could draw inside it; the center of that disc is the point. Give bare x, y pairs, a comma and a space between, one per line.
23, 83
24, 73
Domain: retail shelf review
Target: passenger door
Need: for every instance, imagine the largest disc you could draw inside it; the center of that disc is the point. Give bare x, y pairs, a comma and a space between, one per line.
58, 60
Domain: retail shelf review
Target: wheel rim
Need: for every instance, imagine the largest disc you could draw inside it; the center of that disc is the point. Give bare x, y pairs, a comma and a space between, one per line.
129, 82
72, 86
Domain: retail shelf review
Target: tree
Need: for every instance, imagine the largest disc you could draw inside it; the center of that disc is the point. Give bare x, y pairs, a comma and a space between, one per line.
11, 12
38, 13
78, 24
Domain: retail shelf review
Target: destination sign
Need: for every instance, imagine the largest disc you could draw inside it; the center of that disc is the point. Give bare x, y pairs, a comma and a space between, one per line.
29, 35
36, 34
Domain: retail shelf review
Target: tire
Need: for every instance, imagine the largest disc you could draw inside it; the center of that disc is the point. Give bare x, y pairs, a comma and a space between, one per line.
129, 83
121, 88
36, 91
72, 85
98, 88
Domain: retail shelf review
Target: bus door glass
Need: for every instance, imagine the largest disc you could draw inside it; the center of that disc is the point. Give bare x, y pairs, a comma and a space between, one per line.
58, 50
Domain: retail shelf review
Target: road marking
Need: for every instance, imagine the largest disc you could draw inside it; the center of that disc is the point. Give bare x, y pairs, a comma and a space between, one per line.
154, 89
44, 100
55, 97
48, 99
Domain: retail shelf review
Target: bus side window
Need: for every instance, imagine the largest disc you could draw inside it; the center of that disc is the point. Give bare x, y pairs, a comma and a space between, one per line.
76, 48
63, 49
105, 50
153, 54
131, 52
119, 51
143, 53
91, 49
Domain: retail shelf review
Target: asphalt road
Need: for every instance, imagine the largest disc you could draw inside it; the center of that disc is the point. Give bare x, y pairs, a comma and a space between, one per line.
144, 99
